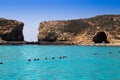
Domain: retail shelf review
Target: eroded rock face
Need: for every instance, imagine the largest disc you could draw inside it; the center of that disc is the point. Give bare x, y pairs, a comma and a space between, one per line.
82, 31
51, 37
11, 30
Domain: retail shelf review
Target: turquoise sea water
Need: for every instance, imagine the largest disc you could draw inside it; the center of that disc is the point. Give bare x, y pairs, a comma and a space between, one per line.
81, 62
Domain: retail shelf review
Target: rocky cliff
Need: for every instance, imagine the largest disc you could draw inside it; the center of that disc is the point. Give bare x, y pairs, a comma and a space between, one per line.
98, 29
11, 30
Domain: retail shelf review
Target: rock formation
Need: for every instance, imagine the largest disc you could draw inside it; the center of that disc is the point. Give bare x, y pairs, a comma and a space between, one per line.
98, 29
11, 30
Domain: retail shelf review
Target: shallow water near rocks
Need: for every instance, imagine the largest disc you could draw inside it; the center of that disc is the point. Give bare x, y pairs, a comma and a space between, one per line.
80, 63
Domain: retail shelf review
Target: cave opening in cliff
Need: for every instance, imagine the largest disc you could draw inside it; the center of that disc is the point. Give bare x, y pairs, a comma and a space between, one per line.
100, 37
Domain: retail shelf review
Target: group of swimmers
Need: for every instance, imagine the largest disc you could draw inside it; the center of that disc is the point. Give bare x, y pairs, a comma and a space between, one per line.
61, 57
108, 52
37, 59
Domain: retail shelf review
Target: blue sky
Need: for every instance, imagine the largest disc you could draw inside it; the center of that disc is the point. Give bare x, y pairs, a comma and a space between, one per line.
32, 12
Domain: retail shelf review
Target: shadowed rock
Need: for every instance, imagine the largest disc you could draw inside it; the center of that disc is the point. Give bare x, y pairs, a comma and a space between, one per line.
100, 37
11, 30
51, 37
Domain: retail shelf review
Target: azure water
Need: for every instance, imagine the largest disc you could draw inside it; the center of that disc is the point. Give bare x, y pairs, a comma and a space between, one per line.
35, 62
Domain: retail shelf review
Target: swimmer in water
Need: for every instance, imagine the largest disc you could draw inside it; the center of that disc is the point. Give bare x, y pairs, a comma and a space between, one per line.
60, 57
1, 63
29, 60
110, 52
38, 59
45, 58
35, 59
65, 56
95, 53
53, 58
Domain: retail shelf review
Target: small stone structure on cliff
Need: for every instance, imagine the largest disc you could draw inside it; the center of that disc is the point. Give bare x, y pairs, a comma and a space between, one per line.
11, 30
98, 29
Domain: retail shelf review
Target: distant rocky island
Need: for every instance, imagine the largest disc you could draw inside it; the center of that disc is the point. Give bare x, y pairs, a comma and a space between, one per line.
103, 29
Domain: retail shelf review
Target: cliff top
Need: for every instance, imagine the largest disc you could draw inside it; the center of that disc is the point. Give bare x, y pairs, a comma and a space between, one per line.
6, 22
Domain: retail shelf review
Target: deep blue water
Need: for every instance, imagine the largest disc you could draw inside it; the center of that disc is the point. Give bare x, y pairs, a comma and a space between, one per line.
81, 63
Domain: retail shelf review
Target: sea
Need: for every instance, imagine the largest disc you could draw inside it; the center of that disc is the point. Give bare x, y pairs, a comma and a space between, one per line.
59, 62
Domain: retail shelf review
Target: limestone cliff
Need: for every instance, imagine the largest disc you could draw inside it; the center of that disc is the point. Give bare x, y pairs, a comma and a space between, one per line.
98, 29
11, 30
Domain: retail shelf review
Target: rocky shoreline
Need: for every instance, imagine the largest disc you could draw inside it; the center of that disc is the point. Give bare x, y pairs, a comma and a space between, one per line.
35, 43
54, 43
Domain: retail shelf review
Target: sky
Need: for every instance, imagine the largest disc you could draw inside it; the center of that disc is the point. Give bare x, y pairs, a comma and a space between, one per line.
32, 12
